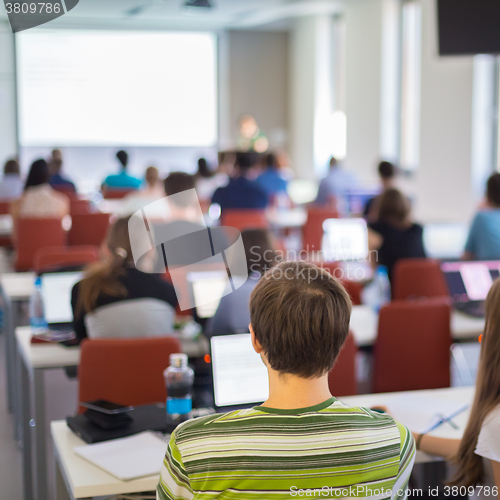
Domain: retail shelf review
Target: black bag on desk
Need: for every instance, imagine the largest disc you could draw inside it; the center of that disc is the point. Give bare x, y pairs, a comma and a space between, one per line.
143, 418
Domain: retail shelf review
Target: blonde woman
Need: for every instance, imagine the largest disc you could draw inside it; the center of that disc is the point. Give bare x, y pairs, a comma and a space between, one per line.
477, 454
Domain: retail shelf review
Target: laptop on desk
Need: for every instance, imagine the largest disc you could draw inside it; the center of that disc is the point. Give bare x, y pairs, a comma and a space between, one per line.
56, 294
346, 241
240, 377
206, 289
469, 284
445, 241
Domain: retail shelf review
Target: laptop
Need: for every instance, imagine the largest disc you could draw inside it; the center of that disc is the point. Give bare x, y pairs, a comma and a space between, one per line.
207, 288
469, 284
346, 241
56, 294
239, 376
445, 241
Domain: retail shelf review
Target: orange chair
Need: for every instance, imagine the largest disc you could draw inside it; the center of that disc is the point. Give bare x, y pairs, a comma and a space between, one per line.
342, 377
88, 229
33, 234
52, 257
312, 232
115, 194
412, 350
244, 219
128, 371
414, 278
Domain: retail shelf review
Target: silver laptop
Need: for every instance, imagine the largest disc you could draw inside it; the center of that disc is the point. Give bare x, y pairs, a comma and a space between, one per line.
239, 375
207, 288
445, 241
56, 294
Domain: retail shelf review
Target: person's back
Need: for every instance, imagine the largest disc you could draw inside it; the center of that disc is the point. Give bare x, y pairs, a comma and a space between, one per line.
271, 180
122, 180
483, 242
301, 441
116, 300
335, 186
242, 192
11, 186
57, 180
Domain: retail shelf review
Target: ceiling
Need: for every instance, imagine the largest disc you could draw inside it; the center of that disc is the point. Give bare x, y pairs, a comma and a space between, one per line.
171, 14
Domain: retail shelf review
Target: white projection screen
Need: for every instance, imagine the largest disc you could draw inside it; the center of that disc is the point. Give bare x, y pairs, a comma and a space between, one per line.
107, 88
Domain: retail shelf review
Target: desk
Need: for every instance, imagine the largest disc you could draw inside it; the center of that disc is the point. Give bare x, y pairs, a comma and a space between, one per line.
81, 479
364, 324
33, 359
14, 288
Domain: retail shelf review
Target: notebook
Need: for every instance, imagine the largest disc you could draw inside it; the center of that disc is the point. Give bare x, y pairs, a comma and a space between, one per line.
128, 458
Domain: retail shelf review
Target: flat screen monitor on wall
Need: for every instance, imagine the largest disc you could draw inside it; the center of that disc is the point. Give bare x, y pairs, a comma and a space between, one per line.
113, 88
468, 27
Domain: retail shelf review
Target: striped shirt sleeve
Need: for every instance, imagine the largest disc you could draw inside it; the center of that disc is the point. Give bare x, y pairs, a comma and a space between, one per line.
406, 461
174, 480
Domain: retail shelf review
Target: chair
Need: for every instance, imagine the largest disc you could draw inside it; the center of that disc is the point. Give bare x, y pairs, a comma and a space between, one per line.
115, 194
244, 219
128, 372
77, 206
415, 278
51, 257
412, 350
342, 377
353, 288
88, 229
312, 231
33, 234
69, 192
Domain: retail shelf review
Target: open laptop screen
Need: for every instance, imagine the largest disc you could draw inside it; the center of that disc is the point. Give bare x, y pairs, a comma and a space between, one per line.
470, 281
345, 239
56, 293
240, 376
445, 241
207, 287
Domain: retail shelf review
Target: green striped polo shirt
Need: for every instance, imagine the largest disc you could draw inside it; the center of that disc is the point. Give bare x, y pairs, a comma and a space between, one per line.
330, 450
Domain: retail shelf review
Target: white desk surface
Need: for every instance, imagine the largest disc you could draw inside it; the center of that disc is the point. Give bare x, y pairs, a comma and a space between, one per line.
47, 355
87, 480
293, 217
364, 325
18, 286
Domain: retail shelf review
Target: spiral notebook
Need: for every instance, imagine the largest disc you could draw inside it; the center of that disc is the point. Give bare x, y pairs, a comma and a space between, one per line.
130, 457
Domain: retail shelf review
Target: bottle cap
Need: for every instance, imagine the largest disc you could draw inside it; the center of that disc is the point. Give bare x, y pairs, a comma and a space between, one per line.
178, 359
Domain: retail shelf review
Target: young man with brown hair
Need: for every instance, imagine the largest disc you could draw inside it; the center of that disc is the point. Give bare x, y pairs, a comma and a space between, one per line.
301, 441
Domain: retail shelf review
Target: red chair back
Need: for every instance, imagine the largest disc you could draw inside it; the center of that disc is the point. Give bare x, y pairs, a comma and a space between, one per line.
414, 278
342, 377
244, 219
5, 207
88, 229
312, 232
69, 192
412, 351
127, 372
33, 234
51, 257
77, 206
353, 288
115, 194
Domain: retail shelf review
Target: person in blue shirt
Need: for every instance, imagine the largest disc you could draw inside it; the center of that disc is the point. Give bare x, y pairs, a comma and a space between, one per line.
484, 235
122, 180
242, 192
56, 179
271, 180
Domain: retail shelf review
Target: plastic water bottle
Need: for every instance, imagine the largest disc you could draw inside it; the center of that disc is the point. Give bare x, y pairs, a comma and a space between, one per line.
38, 322
179, 379
383, 287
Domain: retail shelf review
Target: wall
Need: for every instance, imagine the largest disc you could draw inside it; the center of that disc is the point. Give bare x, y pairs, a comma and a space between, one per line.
8, 128
258, 82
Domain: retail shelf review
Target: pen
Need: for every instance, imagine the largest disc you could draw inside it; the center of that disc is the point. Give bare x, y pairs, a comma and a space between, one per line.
442, 421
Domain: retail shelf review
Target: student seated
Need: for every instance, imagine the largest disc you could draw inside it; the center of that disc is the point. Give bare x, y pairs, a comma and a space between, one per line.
477, 454
395, 236
151, 192
39, 200
301, 438
208, 181
11, 186
242, 192
387, 173
115, 300
121, 180
271, 180
484, 235
56, 179
233, 313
